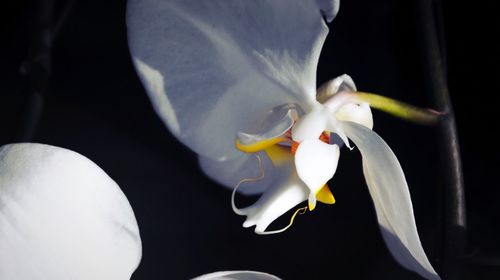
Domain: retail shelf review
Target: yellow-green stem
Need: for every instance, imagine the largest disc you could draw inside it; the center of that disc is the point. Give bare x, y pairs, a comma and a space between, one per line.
400, 109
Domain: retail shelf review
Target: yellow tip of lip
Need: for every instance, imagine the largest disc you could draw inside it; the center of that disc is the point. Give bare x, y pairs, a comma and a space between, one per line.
311, 206
325, 195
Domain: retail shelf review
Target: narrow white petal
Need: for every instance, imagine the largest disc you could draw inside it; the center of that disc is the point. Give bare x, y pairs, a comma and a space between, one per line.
316, 162
237, 275
225, 64
391, 197
62, 217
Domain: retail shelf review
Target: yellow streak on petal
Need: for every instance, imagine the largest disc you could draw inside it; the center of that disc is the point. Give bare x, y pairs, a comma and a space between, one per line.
325, 195
277, 154
259, 146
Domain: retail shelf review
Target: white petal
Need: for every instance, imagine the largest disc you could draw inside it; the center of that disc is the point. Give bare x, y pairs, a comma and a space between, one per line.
316, 163
358, 113
332, 87
225, 64
237, 275
230, 172
391, 197
285, 193
62, 217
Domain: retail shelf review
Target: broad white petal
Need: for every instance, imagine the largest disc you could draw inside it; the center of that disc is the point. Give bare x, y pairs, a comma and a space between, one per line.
246, 166
391, 197
225, 64
358, 113
62, 217
316, 162
237, 275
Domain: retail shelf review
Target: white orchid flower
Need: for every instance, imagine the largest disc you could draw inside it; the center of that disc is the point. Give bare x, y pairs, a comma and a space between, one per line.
224, 72
62, 217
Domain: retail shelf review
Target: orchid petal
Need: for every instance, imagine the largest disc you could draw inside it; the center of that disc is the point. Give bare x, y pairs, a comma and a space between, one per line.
316, 163
237, 275
62, 217
391, 197
332, 87
222, 65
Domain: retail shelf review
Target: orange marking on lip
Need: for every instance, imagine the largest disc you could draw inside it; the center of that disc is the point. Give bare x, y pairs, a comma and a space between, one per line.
325, 137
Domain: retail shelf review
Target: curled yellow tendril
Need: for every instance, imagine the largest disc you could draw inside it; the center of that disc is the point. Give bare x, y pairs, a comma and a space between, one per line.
299, 211
246, 180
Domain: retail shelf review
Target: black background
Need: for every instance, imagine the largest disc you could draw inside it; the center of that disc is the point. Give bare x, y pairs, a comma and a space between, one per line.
95, 105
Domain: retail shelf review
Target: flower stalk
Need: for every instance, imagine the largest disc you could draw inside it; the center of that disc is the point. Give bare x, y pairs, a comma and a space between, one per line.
453, 189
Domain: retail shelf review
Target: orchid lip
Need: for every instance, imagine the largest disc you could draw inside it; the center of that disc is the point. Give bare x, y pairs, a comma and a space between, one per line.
273, 204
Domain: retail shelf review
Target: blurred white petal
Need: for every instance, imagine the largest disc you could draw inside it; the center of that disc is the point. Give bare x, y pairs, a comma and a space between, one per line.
62, 217
237, 275
391, 197
225, 64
